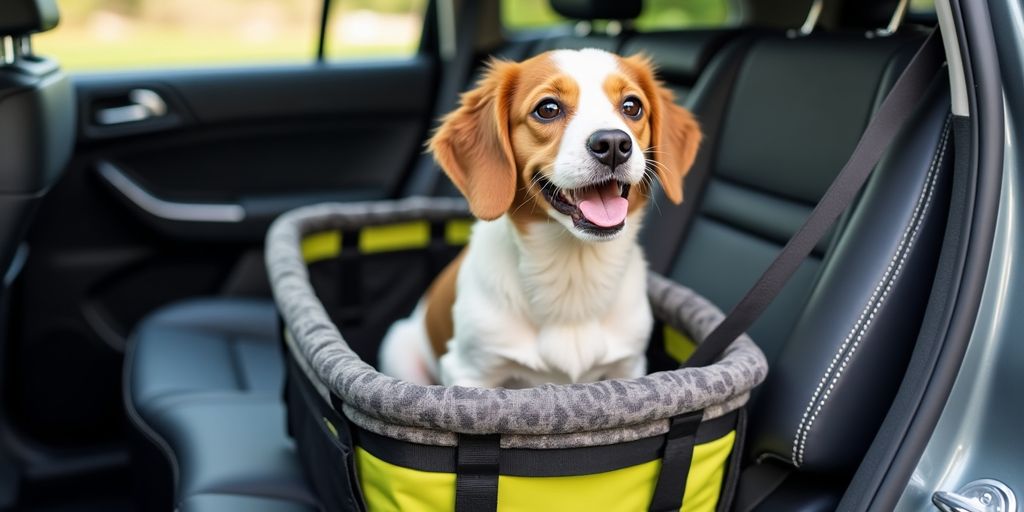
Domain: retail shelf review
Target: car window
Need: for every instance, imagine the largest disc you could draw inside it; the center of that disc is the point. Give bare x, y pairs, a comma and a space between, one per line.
374, 28
517, 15
133, 34
922, 6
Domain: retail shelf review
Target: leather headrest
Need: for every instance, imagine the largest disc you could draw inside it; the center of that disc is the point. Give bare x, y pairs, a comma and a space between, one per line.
21, 17
598, 9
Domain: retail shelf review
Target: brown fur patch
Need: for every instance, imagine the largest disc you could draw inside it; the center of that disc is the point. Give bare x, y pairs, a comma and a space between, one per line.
491, 148
473, 144
535, 145
675, 134
440, 298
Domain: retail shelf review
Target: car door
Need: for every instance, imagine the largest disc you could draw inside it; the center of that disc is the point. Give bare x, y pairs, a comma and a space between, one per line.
192, 137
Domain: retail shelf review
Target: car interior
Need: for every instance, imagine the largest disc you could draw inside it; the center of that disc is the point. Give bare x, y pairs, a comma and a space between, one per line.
142, 367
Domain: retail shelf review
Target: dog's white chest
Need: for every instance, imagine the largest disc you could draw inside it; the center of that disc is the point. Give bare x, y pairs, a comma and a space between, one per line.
545, 308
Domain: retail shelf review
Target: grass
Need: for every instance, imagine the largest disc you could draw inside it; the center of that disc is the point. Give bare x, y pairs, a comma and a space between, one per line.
77, 50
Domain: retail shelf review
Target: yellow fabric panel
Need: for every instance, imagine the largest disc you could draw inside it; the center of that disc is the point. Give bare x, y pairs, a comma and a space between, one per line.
456, 232
706, 473
394, 237
321, 246
392, 488
678, 345
623, 490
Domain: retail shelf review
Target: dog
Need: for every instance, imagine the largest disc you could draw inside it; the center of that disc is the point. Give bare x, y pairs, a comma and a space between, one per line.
556, 156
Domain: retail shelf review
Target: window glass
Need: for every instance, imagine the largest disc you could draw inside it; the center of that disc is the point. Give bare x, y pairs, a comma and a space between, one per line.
374, 28
656, 14
110, 34
673, 14
528, 14
922, 6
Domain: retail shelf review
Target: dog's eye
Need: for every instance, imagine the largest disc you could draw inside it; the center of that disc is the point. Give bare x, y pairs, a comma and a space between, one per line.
547, 110
631, 107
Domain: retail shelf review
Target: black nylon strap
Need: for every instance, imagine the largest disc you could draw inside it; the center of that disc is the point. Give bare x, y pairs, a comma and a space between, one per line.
897, 107
675, 462
476, 473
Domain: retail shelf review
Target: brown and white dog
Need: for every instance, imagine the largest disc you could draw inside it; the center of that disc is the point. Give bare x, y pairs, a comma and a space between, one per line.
556, 156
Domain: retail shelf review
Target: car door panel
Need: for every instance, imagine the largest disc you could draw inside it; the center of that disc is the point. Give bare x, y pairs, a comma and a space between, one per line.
253, 141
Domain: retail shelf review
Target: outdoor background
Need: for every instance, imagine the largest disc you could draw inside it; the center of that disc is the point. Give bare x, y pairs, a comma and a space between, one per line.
118, 34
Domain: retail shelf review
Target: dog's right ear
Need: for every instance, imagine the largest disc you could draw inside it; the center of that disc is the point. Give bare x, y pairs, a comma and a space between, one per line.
473, 145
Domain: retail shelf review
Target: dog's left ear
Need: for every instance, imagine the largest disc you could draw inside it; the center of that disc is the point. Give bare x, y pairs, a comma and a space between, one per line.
675, 134
474, 147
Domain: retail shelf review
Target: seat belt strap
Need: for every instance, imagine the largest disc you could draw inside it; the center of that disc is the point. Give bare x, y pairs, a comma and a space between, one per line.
895, 110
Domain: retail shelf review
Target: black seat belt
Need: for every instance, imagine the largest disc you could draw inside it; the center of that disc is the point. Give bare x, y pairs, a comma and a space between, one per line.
895, 110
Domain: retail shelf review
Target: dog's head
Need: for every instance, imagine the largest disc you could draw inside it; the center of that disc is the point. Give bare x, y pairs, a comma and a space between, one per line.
576, 136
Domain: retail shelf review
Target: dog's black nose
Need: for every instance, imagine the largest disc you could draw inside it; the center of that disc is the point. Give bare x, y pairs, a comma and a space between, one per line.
610, 147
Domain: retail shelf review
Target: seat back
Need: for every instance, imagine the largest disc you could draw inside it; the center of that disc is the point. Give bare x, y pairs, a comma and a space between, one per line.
839, 336
37, 119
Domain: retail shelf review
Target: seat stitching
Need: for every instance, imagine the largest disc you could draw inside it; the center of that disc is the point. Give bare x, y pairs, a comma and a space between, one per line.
867, 316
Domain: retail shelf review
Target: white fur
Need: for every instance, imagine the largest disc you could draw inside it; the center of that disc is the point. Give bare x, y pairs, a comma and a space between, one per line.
544, 307
553, 304
574, 166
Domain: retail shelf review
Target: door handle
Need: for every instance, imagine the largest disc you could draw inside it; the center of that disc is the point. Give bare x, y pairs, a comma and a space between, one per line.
985, 495
143, 104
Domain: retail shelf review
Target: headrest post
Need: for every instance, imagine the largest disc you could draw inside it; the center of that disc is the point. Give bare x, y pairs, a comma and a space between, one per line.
582, 28
6, 50
23, 46
613, 28
894, 22
810, 22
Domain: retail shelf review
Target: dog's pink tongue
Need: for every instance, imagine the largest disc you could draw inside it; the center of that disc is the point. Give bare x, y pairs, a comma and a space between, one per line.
603, 205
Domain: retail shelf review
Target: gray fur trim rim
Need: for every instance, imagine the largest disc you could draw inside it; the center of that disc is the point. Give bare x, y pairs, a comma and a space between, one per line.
375, 400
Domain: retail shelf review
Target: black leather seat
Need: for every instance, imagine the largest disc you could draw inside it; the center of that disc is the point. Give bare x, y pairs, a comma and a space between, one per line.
37, 120
839, 336
781, 117
204, 383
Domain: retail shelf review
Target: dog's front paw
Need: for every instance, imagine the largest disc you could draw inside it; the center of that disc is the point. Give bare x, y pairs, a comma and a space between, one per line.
572, 349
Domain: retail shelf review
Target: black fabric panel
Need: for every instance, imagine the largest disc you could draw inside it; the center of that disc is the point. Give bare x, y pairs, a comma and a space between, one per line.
328, 460
365, 294
670, 487
476, 473
537, 463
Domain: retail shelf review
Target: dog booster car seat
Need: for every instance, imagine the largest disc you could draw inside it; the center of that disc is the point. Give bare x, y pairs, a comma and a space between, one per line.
343, 273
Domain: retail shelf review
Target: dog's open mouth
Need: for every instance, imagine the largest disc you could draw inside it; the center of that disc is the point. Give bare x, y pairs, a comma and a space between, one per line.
599, 208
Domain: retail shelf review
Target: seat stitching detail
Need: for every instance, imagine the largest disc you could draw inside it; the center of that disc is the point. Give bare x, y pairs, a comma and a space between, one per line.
856, 334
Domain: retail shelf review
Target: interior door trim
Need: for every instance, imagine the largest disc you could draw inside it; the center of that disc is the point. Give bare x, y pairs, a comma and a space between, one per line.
168, 210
